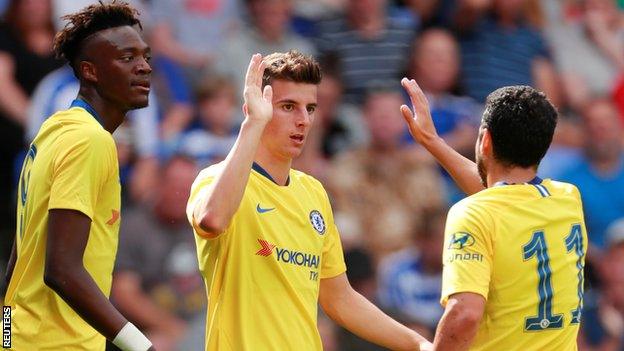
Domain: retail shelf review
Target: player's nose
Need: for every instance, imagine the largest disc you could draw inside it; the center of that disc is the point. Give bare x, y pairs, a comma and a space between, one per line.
303, 117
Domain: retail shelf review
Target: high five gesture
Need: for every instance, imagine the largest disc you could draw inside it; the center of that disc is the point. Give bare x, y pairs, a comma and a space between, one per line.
258, 106
421, 126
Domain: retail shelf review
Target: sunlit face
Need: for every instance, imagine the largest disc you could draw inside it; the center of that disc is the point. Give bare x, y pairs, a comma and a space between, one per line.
293, 113
122, 69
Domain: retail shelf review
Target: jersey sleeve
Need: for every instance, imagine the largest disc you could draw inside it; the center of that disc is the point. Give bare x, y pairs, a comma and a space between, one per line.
198, 190
332, 261
467, 255
86, 161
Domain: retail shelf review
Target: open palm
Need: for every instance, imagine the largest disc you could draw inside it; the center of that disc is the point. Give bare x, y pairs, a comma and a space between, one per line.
258, 103
419, 121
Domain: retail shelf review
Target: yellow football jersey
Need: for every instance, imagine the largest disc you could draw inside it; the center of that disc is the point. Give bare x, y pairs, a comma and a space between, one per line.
522, 247
71, 164
262, 274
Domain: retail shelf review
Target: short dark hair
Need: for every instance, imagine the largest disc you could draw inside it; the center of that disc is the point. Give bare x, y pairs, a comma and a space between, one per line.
291, 66
521, 122
69, 42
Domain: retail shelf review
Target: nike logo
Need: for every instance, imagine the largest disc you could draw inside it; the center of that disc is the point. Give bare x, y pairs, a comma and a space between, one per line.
113, 218
263, 210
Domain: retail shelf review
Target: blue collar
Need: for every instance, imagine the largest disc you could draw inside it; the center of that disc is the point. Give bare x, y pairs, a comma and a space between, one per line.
256, 167
534, 181
85, 105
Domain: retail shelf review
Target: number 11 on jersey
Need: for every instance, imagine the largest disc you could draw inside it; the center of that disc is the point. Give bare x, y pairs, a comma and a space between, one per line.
536, 247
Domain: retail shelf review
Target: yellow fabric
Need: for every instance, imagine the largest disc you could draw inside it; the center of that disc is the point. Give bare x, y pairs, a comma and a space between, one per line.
72, 164
264, 296
487, 252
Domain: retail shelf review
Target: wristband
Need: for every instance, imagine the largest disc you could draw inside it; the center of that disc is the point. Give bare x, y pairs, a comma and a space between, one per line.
130, 338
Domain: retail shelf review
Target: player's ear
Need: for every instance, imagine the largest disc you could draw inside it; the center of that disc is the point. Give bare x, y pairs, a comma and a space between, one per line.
87, 71
486, 143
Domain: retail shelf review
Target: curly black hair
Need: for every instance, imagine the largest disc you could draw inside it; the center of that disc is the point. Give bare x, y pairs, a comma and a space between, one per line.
69, 42
521, 122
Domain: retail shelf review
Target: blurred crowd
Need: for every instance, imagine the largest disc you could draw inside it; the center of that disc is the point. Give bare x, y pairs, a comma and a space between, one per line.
389, 197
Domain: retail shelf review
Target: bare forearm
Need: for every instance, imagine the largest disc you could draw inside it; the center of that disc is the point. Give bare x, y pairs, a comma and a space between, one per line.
355, 313
460, 322
78, 289
454, 334
216, 208
463, 170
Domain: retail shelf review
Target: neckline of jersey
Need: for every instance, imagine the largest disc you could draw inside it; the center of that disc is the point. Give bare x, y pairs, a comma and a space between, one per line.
534, 181
87, 107
256, 167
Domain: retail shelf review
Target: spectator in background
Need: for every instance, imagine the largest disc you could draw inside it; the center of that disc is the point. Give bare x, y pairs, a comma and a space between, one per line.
190, 33
138, 164
602, 328
214, 134
600, 173
435, 66
501, 47
370, 46
26, 35
186, 38
156, 284
267, 31
587, 46
410, 280
340, 121
337, 128
380, 191
431, 13
435, 63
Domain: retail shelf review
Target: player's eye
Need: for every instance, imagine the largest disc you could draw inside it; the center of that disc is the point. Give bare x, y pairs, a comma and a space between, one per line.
148, 57
288, 107
311, 109
127, 58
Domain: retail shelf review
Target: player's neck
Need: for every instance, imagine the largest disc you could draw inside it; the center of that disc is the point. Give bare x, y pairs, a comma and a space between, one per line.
510, 175
278, 168
111, 116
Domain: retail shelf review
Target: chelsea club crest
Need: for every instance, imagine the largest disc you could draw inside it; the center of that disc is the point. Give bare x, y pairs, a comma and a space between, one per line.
317, 221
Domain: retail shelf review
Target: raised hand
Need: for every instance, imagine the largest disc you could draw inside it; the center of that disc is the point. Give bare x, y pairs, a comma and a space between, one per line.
419, 121
258, 103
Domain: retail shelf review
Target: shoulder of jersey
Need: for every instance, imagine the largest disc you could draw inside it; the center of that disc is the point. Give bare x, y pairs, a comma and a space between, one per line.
77, 124
305, 179
211, 171
563, 188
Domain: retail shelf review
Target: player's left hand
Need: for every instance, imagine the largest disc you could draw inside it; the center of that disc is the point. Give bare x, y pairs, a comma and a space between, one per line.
419, 121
